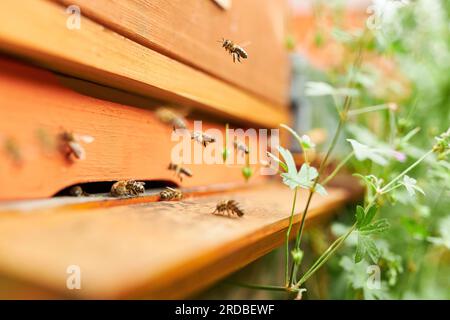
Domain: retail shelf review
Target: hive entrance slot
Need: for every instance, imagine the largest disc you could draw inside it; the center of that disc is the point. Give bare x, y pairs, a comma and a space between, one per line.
104, 187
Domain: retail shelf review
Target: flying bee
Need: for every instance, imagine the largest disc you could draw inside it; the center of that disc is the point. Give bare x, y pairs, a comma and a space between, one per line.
77, 191
240, 146
229, 206
237, 52
180, 171
170, 194
202, 138
171, 117
127, 188
72, 143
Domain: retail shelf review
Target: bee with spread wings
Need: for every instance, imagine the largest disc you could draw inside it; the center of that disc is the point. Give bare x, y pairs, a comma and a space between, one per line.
73, 144
236, 51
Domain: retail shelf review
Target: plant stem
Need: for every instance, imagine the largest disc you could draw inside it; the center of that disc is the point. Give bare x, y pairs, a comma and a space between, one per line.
392, 188
260, 287
338, 168
325, 256
367, 110
342, 119
299, 141
288, 236
311, 191
386, 187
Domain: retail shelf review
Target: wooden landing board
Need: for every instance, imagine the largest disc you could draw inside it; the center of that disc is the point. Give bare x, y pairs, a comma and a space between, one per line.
151, 250
36, 30
189, 31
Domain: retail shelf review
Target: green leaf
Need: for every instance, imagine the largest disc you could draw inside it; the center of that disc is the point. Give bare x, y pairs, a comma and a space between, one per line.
366, 247
315, 88
359, 216
366, 180
363, 152
378, 226
360, 251
371, 249
369, 215
410, 185
307, 174
288, 158
320, 189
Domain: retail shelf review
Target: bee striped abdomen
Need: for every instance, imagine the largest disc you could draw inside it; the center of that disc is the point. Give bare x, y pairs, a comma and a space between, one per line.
236, 51
170, 194
229, 206
242, 52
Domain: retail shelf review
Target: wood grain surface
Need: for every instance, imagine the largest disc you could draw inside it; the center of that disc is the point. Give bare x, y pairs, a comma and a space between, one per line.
130, 142
189, 31
36, 30
152, 250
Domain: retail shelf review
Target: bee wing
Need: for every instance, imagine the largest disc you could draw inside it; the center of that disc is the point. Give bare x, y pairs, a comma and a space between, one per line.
84, 138
77, 150
184, 111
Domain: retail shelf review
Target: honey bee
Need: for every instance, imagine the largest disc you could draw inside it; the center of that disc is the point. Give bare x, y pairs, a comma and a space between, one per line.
230, 206
170, 194
127, 188
180, 171
237, 52
241, 146
12, 148
77, 191
169, 116
202, 138
72, 142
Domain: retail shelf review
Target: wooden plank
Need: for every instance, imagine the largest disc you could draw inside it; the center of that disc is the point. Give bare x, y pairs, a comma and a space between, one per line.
152, 250
188, 30
36, 29
130, 142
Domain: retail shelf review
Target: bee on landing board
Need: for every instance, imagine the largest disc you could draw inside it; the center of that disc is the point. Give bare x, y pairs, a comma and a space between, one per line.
72, 144
180, 171
228, 206
170, 194
202, 138
127, 188
237, 52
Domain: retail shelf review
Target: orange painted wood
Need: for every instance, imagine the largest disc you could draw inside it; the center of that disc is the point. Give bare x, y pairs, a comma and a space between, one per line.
36, 30
161, 250
130, 142
188, 30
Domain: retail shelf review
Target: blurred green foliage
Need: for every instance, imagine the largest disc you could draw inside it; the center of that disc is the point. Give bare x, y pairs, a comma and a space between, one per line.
406, 68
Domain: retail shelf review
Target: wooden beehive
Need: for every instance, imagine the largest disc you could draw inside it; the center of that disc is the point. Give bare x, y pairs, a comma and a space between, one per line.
106, 79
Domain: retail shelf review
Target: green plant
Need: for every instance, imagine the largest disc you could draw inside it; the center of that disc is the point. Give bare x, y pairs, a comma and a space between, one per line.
382, 156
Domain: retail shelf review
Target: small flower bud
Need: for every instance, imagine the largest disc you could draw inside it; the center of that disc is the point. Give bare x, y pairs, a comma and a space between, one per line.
247, 172
297, 256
